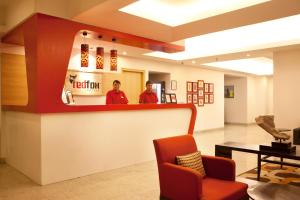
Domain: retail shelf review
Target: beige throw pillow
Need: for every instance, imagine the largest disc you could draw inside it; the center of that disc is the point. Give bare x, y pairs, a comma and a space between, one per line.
193, 161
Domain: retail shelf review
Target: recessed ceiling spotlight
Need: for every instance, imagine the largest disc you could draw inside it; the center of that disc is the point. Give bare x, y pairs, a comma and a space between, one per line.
84, 33
248, 55
124, 53
193, 61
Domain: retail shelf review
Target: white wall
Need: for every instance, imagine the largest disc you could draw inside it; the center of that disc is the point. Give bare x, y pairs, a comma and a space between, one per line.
270, 104
22, 142
89, 100
236, 108
253, 97
257, 97
286, 88
210, 116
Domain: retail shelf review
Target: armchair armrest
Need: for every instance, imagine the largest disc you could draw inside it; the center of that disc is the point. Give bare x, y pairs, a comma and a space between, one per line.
219, 167
177, 182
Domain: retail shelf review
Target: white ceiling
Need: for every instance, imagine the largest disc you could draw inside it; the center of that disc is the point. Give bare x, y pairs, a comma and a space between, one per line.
105, 13
240, 39
108, 15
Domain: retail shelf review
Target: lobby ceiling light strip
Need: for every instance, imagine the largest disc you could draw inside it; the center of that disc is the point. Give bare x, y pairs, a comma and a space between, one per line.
257, 66
175, 13
270, 34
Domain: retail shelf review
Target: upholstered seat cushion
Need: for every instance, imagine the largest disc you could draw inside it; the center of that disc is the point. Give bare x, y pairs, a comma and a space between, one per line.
216, 189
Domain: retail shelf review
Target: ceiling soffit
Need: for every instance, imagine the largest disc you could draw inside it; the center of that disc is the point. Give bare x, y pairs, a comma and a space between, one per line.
107, 15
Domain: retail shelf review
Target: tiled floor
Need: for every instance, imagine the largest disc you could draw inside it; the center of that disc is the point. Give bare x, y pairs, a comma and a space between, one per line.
133, 182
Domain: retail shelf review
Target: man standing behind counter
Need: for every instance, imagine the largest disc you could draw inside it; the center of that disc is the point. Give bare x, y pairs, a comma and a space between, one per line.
148, 96
116, 96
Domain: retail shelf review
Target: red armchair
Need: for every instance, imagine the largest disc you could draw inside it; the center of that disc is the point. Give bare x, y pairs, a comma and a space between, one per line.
181, 183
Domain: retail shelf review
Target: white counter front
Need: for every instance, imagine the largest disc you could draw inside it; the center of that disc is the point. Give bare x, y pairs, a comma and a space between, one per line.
54, 147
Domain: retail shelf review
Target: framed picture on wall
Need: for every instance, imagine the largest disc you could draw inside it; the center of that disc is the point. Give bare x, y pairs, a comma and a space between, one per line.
200, 93
189, 86
173, 85
229, 91
200, 102
206, 98
211, 88
206, 87
173, 98
211, 98
168, 98
200, 84
195, 98
195, 86
189, 98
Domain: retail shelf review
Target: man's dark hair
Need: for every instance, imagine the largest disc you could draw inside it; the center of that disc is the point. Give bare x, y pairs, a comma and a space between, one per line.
149, 82
117, 81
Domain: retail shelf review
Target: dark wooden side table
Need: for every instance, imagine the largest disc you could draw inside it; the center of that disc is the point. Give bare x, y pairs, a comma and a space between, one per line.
296, 136
225, 150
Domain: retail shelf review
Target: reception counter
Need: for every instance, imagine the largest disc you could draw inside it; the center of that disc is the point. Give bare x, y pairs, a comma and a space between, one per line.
53, 147
50, 141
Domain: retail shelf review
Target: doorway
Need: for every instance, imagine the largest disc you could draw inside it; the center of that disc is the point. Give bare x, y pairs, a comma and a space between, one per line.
160, 82
132, 85
235, 99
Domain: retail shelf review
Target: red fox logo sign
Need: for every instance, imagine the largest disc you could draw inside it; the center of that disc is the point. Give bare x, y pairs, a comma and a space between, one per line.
72, 78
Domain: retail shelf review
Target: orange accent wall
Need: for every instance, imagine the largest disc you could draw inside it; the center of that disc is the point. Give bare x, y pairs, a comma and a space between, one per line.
14, 89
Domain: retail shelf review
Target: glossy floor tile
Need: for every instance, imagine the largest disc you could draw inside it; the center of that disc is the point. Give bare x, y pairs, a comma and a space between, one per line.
133, 182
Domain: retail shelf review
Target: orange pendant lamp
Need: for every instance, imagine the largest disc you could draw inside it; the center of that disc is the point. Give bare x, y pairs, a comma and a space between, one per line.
84, 53
113, 60
99, 58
